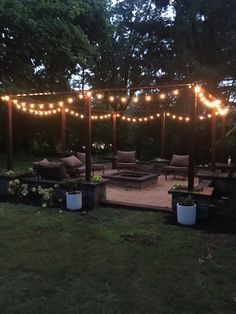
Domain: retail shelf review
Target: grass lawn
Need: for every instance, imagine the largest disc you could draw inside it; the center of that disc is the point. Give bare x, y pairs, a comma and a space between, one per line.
111, 261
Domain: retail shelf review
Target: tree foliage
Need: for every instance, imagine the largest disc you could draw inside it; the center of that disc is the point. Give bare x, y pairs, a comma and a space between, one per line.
43, 42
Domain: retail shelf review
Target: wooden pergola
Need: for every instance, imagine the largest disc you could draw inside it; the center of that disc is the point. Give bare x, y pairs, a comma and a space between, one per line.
194, 96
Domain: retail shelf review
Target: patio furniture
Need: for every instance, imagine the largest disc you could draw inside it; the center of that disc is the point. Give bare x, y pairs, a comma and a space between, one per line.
126, 160
47, 170
178, 165
95, 166
73, 165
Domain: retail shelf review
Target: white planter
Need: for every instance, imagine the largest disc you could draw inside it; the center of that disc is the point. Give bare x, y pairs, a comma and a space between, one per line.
74, 200
186, 215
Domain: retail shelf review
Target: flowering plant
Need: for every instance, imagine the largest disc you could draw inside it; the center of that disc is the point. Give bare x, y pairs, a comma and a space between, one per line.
17, 188
48, 196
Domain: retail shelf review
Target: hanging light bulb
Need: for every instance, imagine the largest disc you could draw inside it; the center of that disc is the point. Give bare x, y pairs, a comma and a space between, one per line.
162, 96
123, 99
135, 99
176, 92
99, 96
70, 100
197, 89
111, 98
148, 98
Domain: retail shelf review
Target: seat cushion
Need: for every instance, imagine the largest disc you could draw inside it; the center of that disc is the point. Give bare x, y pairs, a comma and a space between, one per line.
179, 160
126, 165
72, 162
173, 169
126, 156
98, 167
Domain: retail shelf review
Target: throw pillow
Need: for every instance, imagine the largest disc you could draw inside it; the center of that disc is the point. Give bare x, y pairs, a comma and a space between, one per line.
72, 162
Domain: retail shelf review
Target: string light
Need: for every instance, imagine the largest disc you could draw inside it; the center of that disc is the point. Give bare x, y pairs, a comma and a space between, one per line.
176, 92
162, 96
197, 89
148, 98
70, 100
123, 99
99, 96
135, 99
111, 98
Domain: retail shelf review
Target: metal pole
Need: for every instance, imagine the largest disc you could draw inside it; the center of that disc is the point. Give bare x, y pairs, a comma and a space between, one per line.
192, 139
63, 131
9, 137
114, 139
89, 137
213, 140
163, 131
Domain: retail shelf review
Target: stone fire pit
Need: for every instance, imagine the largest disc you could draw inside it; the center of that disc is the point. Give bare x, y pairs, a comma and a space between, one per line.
132, 179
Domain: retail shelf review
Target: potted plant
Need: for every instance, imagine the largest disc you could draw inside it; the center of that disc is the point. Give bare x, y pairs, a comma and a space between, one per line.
73, 195
186, 211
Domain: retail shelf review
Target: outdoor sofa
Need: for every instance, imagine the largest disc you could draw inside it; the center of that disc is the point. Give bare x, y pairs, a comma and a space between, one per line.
67, 167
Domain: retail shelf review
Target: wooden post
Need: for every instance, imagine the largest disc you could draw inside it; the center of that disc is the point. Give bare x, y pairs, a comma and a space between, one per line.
213, 140
223, 139
163, 131
114, 139
89, 137
9, 137
63, 131
192, 139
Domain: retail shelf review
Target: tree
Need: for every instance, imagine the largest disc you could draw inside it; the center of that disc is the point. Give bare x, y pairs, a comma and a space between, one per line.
43, 42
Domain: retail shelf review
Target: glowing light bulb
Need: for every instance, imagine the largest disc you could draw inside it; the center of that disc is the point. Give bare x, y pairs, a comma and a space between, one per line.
123, 99
61, 103
89, 94
135, 99
32, 105
176, 92
81, 96
148, 98
99, 96
111, 98
173, 116
197, 89
162, 96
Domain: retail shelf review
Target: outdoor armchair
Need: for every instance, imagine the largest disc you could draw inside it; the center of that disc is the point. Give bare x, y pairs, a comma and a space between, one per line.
178, 165
126, 160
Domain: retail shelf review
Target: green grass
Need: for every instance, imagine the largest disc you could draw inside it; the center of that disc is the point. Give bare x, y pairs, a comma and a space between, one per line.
110, 261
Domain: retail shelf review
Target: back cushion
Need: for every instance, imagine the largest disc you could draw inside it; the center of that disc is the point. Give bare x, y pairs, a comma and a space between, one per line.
41, 162
72, 162
180, 160
123, 156
81, 156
